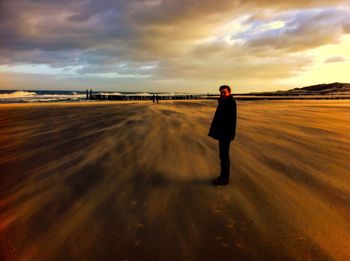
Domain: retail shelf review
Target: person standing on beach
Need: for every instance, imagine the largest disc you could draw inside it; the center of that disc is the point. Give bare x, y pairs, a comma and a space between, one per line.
223, 129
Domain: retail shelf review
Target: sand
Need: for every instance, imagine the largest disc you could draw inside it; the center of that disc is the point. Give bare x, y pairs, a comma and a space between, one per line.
131, 181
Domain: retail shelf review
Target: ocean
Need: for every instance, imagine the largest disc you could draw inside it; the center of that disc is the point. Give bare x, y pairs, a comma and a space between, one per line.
27, 96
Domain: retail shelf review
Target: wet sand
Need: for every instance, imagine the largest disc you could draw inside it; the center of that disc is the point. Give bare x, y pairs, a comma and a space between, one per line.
131, 181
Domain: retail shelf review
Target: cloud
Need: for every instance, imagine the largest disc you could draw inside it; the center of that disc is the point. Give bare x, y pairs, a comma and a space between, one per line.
175, 39
137, 26
346, 28
301, 30
335, 59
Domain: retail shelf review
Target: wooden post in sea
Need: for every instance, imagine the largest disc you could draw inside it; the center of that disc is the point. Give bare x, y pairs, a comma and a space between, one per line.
87, 94
90, 94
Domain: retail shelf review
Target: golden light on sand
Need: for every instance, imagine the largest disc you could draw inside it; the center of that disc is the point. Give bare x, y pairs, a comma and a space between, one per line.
132, 181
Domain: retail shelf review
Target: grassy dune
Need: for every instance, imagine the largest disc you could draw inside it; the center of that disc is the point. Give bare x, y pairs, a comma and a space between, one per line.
131, 181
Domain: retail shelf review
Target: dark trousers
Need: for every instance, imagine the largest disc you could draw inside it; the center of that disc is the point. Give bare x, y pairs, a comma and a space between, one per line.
224, 148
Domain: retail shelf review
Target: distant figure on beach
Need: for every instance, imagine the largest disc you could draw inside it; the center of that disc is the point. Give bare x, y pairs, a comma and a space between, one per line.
223, 129
157, 98
154, 98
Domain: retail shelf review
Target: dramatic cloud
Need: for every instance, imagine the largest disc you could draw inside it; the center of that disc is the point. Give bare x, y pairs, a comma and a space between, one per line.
167, 43
300, 30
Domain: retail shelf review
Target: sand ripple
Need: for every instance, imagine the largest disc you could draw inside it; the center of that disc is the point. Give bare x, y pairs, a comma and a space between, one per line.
131, 181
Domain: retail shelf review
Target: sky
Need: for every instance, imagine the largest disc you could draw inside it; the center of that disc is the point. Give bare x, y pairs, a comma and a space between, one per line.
173, 45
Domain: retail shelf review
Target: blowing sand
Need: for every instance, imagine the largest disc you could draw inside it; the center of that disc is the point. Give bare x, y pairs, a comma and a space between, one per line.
131, 181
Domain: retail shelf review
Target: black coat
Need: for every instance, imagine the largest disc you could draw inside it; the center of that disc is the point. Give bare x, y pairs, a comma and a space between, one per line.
224, 121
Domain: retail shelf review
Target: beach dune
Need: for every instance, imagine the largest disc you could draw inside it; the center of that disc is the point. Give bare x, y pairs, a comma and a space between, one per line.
131, 181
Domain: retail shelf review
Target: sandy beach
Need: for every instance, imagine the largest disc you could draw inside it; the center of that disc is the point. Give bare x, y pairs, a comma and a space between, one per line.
131, 181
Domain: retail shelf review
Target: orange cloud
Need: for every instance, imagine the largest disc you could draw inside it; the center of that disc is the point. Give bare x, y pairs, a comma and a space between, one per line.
205, 41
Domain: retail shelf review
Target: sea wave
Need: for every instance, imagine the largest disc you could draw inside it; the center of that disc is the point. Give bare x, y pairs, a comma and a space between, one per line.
40, 96
17, 94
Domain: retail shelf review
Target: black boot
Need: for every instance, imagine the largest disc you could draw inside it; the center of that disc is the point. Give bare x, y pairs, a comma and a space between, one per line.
220, 181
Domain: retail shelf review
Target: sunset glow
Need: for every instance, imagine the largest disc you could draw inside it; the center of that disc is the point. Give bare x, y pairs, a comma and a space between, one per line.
173, 46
